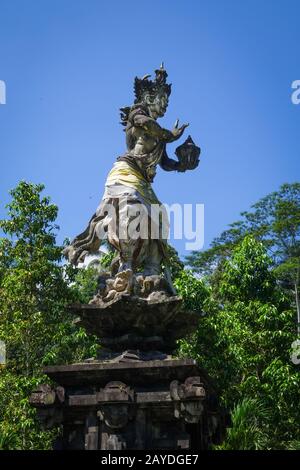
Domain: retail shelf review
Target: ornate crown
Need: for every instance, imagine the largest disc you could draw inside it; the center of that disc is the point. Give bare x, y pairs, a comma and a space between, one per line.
159, 84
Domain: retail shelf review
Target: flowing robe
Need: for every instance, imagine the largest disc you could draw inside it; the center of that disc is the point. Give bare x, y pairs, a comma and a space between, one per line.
128, 184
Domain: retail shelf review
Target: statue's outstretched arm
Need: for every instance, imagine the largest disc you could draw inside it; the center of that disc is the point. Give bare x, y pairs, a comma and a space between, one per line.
154, 129
168, 164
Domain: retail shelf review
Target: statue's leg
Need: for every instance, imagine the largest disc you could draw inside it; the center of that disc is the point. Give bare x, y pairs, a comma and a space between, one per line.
133, 253
127, 249
153, 259
133, 242
130, 249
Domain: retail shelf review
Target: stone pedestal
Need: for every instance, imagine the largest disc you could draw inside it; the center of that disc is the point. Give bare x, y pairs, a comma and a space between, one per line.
160, 404
136, 396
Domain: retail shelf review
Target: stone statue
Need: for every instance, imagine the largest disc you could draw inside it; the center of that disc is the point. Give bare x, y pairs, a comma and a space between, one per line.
134, 394
128, 189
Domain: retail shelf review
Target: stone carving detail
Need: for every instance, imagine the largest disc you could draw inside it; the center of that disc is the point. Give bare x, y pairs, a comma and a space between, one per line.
188, 399
189, 411
192, 388
116, 413
136, 323
152, 288
115, 391
115, 416
48, 400
45, 395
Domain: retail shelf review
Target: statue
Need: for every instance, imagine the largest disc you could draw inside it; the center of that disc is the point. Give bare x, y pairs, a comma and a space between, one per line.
134, 394
128, 188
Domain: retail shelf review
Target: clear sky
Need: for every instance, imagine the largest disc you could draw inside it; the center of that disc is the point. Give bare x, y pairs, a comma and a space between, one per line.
69, 65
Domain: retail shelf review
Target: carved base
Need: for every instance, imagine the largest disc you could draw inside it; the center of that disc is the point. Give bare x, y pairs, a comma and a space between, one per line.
127, 403
138, 285
128, 322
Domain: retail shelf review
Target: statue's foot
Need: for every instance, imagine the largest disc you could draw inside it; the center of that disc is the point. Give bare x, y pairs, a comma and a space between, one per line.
123, 281
125, 274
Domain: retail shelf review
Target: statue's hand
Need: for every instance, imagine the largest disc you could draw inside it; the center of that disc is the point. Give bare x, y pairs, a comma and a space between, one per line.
178, 131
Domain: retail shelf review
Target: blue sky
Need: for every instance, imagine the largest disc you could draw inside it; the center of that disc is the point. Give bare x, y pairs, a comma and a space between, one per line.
69, 65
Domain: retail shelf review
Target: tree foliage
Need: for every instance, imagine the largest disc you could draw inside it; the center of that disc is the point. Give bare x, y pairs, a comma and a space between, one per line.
244, 342
36, 327
275, 221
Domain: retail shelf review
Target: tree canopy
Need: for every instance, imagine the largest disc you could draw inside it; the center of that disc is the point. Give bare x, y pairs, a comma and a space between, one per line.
34, 323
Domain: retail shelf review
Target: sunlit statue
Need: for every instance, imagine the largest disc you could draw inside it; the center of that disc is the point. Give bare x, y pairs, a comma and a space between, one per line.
128, 185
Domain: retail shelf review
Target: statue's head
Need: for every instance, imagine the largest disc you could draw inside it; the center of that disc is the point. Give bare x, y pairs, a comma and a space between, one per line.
154, 94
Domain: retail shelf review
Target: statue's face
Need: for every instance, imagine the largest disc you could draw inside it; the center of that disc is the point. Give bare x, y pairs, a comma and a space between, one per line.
157, 105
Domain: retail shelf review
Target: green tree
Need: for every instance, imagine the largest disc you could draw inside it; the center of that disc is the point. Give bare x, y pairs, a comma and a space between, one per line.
34, 323
275, 221
194, 292
244, 340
